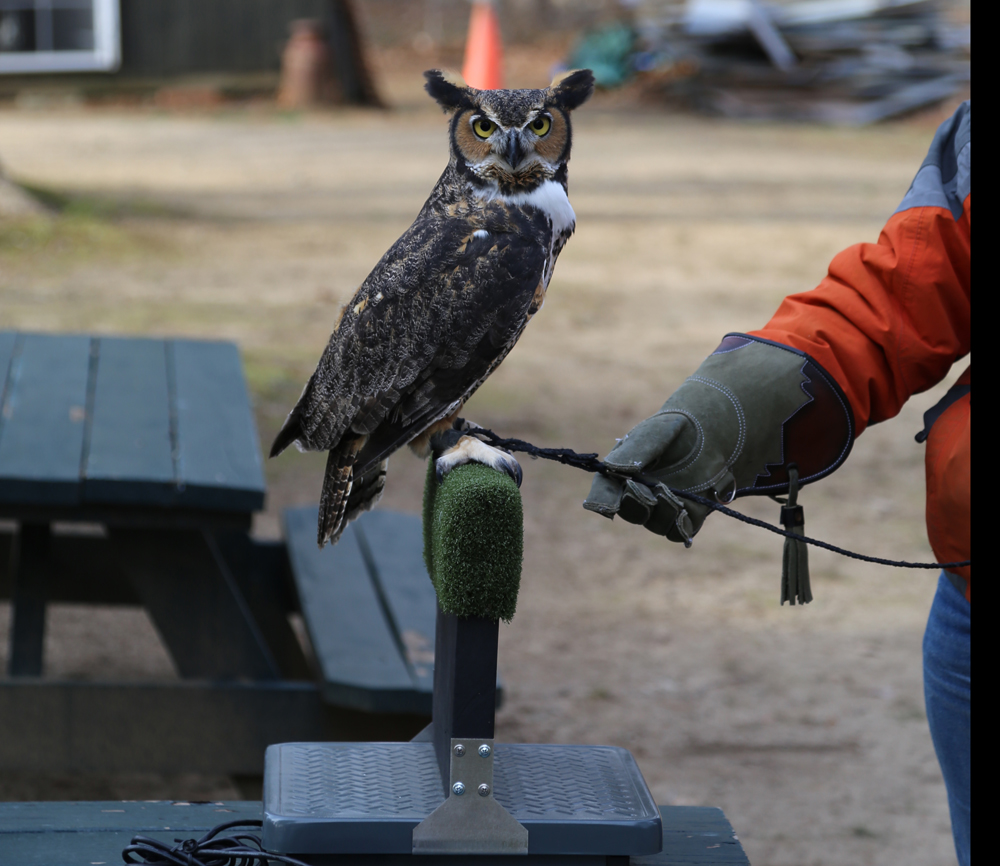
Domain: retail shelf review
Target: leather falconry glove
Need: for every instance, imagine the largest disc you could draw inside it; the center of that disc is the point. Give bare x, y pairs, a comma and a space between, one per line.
753, 411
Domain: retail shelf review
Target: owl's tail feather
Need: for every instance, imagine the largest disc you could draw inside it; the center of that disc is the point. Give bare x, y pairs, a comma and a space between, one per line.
337, 484
365, 492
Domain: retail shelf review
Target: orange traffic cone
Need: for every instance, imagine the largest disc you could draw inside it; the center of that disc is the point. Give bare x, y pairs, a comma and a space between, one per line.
483, 66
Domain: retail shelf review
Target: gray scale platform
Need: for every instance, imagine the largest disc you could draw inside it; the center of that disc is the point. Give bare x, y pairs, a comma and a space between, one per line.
366, 798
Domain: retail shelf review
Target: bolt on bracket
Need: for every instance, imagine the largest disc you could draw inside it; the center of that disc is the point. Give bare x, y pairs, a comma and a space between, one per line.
470, 820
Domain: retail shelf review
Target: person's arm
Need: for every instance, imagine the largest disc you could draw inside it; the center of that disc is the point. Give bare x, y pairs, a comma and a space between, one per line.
890, 318
888, 321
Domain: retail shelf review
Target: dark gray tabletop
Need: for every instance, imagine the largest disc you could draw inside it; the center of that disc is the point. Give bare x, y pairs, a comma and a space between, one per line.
124, 423
70, 834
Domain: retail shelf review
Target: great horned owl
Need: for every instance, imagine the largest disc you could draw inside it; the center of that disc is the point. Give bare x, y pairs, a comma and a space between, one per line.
449, 299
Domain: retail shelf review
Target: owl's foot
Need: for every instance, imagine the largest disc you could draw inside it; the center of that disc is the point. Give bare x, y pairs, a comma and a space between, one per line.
455, 448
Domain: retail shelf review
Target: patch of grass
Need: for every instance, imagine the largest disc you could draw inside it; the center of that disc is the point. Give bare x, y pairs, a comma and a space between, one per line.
81, 227
269, 380
101, 207
59, 237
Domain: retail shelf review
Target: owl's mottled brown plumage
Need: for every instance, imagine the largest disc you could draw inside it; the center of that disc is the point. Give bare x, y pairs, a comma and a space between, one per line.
450, 298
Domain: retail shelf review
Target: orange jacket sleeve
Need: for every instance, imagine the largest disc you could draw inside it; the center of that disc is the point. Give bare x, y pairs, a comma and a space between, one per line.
890, 319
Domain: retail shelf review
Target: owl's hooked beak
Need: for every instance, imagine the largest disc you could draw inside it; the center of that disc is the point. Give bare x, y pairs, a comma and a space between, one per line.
514, 152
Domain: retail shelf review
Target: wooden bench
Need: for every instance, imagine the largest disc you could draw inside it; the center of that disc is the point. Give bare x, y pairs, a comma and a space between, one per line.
369, 608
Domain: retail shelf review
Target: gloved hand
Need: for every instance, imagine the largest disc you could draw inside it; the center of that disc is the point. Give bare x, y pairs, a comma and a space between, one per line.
750, 410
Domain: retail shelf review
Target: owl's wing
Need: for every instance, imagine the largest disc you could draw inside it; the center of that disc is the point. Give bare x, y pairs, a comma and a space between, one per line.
438, 313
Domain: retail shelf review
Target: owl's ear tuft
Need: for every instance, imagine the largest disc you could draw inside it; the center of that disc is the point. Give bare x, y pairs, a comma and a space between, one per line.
571, 89
448, 89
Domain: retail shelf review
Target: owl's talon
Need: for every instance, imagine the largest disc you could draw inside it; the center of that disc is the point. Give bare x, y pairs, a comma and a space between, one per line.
469, 449
512, 467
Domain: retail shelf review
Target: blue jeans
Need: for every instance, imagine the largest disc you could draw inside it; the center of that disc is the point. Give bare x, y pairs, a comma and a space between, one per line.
948, 696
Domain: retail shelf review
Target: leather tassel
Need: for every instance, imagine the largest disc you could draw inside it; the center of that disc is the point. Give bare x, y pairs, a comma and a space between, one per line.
795, 557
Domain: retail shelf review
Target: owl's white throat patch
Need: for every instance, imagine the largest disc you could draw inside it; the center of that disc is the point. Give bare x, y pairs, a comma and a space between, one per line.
549, 197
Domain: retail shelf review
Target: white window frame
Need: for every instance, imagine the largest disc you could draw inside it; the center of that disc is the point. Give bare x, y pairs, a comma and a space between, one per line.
104, 57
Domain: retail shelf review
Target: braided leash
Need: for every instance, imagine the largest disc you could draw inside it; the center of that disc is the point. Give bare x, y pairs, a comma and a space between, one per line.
590, 463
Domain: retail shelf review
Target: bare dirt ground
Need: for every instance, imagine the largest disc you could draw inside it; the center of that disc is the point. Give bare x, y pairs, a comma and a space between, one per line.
805, 725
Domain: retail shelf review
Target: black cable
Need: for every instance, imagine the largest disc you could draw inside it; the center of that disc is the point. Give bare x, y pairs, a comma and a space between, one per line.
239, 849
590, 463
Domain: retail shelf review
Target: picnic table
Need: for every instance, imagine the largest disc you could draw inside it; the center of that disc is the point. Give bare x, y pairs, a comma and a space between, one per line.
130, 470
151, 446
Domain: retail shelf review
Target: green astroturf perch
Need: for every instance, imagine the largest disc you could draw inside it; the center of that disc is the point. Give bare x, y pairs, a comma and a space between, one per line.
474, 540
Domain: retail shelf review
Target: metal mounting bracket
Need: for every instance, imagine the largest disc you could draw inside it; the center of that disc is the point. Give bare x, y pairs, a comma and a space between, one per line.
470, 820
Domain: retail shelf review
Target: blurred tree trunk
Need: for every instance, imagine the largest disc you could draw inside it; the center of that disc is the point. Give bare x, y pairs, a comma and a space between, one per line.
348, 55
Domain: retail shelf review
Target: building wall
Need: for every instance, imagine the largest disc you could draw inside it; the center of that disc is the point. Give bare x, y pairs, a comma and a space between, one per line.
176, 37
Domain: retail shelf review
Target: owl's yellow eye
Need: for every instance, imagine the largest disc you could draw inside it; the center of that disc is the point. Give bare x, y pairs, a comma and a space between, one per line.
541, 125
483, 127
